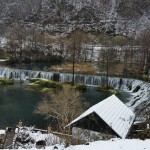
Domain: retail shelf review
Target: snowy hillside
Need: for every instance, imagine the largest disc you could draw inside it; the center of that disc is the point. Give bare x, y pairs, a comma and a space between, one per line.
112, 16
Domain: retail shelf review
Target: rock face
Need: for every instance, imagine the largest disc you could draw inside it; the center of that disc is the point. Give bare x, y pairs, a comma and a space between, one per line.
127, 17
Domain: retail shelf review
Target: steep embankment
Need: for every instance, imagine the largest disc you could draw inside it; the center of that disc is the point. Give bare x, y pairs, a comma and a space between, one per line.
112, 16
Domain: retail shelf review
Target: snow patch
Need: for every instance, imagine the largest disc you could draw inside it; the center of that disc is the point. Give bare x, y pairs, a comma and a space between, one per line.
2, 132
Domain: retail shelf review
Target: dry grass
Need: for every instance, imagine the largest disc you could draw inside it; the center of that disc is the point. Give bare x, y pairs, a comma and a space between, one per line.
117, 69
84, 68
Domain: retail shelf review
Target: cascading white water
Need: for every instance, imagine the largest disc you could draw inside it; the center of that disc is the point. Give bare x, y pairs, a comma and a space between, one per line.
90, 80
82, 79
17, 73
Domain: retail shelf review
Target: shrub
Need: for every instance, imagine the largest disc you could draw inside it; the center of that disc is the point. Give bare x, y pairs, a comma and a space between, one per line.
145, 77
42, 82
108, 90
103, 89
80, 87
32, 80
35, 86
114, 91
70, 83
136, 89
130, 87
44, 85
53, 84
5, 81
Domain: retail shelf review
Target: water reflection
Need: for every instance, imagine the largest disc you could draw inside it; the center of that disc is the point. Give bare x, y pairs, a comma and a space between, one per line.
17, 102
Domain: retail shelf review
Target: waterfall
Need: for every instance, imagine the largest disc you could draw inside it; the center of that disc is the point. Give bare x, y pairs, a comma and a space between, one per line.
17, 74
90, 80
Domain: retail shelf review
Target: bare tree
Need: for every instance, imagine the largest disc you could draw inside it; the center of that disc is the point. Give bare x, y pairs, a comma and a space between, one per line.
107, 57
145, 44
63, 106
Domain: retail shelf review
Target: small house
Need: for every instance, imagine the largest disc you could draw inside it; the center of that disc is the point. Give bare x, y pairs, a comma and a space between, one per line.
109, 117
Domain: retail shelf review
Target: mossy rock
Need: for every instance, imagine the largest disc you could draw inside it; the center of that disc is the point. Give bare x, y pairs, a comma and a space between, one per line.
45, 90
34, 86
130, 87
81, 87
114, 91
44, 85
32, 80
53, 84
136, 89
108, 90
135, 101
6, 81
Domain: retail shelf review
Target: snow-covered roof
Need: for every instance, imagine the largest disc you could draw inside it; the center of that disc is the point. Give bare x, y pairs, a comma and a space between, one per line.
114, 113
2, 132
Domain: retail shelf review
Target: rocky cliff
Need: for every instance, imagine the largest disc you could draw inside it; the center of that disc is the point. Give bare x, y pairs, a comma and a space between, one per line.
126, 17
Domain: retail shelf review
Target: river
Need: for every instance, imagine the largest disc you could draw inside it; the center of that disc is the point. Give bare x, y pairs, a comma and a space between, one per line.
18, 102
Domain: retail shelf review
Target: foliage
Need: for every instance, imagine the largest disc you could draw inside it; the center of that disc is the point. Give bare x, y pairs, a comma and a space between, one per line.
145, 77
130, 87
80, 87
5, 81
44, 85
108, 90
114, 91
119, 40
32, 80
136, 89
63, 105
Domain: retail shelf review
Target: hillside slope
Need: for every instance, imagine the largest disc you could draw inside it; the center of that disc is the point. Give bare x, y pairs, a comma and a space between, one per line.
127, 17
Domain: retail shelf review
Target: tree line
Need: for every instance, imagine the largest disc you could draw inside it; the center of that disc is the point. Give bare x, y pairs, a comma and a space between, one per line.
131, 56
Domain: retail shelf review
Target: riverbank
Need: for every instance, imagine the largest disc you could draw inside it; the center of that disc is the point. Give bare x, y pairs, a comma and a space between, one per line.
125, 84
6, 81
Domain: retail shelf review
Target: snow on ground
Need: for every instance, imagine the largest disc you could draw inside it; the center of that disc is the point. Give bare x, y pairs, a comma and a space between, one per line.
114, 144
29, 137
2, 131
3, 60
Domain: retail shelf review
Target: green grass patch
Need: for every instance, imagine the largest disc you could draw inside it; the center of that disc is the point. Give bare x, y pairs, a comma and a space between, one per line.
114, 91
136, 89
6, 81
32, 80
44, 85
108, 90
